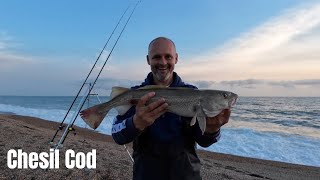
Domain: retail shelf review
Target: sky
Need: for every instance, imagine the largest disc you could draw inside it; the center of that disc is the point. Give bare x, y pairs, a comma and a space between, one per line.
249, 47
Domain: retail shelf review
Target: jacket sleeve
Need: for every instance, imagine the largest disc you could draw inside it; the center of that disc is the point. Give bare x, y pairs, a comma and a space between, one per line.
206, 139
123, 130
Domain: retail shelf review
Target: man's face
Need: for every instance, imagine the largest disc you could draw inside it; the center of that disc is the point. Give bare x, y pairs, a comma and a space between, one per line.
162, 57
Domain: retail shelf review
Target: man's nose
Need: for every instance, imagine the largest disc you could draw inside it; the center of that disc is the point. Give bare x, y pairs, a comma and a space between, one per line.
163, 60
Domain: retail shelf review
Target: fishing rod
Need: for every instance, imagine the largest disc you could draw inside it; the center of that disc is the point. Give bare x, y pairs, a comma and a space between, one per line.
69, 127
85, 81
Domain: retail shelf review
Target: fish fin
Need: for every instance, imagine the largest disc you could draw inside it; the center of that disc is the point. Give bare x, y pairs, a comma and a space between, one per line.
202, 123
183, 88
92, 116
116, 91
194, 119
163, 87
153, 87
210, 113
197, 109
123, 109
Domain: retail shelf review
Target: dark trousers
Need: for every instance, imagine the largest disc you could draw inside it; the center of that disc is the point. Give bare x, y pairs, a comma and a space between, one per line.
185, 166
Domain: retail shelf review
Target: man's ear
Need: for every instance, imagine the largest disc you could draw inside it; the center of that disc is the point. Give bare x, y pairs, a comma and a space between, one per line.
148, 59
176, 58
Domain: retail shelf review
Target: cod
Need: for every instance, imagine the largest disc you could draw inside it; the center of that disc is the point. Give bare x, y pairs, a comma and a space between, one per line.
186, 102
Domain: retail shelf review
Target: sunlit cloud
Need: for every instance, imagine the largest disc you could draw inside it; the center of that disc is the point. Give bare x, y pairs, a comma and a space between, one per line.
283, 48
278, 57
9, 61
254, 83
248, 87
4, 40
8, 58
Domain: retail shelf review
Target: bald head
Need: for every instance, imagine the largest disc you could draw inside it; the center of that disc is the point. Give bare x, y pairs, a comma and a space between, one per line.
156, 40
162, 57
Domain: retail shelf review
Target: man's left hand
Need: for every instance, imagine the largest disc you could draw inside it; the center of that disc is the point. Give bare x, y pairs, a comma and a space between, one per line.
215, 123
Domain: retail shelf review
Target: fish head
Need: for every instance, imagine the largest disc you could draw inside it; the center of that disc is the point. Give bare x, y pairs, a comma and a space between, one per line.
231, 98
214, 101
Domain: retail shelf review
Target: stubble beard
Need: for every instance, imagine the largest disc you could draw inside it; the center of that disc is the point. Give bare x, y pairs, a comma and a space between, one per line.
162, 77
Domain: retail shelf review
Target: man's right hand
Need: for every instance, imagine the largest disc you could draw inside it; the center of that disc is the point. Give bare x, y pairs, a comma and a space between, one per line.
147, 114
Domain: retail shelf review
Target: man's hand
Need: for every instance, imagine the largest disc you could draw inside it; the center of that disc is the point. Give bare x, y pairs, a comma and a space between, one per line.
215, 123
146, 115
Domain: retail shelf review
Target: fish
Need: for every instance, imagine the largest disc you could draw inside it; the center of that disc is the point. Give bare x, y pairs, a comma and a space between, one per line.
187, 102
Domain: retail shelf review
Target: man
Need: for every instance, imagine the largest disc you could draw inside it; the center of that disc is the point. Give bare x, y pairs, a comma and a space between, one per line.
164, 143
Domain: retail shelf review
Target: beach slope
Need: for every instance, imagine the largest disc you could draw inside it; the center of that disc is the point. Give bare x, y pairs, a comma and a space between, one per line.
33, 135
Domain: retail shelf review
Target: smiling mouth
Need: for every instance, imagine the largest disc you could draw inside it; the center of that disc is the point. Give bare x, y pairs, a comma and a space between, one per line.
162, 69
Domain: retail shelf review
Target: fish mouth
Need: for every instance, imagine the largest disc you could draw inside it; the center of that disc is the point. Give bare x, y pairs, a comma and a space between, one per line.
233, 101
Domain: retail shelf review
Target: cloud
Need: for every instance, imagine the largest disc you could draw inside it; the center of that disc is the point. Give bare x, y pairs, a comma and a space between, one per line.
285, 47
254, 83
103, 86
58, 75
263, 87
8, 58
108, 83
248, 87
248, 83
277, 55
4, 40
25, 74
204, 84
293, 84
308, 82
2, 45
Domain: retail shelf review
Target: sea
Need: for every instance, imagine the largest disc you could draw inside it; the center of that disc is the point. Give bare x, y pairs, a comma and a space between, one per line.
285, 129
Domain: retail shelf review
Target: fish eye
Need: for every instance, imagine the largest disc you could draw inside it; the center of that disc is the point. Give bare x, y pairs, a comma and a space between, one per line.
225, 95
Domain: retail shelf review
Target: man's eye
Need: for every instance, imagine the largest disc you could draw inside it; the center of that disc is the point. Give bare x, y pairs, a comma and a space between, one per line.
156, 57
169, 57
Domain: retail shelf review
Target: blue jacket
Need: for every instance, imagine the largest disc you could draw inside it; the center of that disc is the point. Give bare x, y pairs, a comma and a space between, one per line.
167, 148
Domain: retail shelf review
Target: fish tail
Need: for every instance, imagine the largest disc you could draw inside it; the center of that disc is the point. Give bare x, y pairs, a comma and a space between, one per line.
93, 116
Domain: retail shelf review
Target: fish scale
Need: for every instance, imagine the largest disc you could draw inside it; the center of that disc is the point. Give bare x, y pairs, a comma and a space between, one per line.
182, 103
